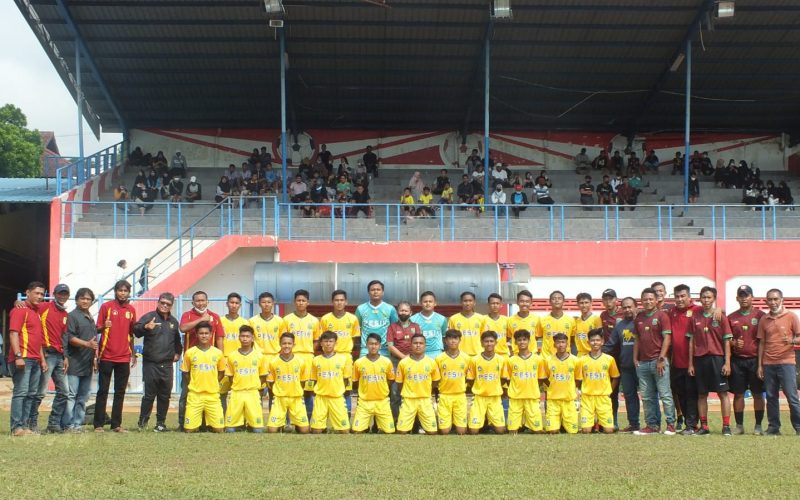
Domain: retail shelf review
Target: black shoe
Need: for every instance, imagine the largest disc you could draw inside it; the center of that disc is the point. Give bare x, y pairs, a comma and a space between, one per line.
160, 428
702, 432
688, 432
55, 430
726, 431
772, 432
679, 424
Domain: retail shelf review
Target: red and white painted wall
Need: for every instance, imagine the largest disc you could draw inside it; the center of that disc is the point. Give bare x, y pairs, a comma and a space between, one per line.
445, 149
90, 190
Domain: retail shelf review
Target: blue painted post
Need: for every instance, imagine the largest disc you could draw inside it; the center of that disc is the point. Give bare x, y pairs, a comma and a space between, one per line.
333, 223
562, 222
552, 223
344, 221
452, 223
115, 221
774, 222
241, 216
507, 224
72, 223
169, 220
605, 220
764, 223
713, 222
79, 99
441, 222
289, 223
179, 220
616, 222
687, 125
669, 220
221, 218
284, 173
398, 221
486, 68
263, 216
724, 225
496, 229
125, 223
658, 208
387, 223
276, 214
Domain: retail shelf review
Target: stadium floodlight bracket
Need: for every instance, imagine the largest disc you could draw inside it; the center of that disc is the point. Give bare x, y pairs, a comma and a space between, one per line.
501, 10
274, 8
725, 9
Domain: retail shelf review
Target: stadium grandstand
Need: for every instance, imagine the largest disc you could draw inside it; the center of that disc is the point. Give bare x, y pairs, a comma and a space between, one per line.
279, 109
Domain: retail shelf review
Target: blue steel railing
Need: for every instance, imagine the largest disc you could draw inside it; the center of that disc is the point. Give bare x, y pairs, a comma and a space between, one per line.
393, 222
80, 170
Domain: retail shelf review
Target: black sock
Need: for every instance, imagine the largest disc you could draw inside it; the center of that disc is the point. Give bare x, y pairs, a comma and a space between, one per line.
739, 416
759, 416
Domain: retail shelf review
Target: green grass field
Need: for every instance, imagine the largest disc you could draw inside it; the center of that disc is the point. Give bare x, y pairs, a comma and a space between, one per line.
147, 465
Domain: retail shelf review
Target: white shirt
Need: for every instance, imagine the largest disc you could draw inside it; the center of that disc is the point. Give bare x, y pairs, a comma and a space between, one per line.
499, 197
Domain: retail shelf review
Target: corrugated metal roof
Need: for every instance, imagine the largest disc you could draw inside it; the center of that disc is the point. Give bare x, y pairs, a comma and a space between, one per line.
179, 63
14, 190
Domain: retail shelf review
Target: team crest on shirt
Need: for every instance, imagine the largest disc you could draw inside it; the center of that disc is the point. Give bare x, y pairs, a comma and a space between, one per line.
65, 320
655, 321
128, 315
689, 313
605, 367
194, 359
458, 326
715, 323
480, 369
254, 363
754, 321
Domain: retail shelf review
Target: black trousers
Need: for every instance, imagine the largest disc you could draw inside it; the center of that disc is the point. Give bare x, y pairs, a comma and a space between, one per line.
685, 389
182, 400
121, 372
157, 387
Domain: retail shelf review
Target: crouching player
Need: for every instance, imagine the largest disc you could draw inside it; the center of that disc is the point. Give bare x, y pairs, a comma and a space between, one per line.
485, 373
561, 370
417, 375
523, 372
204, 366
287, 377
452, 407
599, 378
247, 370
330, 374
372, 375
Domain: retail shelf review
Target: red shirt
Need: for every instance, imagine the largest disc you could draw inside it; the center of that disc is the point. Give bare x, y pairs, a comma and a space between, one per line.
190, 338
54, 324
401, 337
28, 325
609, 322
115, 342
681, 321
650, 330
776, 331
745, 327
709, 335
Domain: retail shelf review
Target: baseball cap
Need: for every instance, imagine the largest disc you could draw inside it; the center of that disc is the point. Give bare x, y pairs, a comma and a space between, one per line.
609, 293
744, 291
60, 288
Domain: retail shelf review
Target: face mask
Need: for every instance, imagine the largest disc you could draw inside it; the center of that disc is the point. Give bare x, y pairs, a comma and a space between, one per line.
403, 317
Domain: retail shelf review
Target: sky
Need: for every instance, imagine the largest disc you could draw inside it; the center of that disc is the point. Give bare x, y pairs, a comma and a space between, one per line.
31, 83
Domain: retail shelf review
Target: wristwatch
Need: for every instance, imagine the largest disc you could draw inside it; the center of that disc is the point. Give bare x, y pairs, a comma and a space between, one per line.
18, 355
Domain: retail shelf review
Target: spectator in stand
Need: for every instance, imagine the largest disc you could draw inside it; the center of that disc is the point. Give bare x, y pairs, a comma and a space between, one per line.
160, 162
254, 157
153, 181
627, 194
194, 191
586, 191
140, 177
440, 182
617, 163
305, 168
529, 181
273, 178
326, 158
499, 175
407, 202
477, 175
298, 190
519, 200
232, 175
605, 192
447, 194
694, 187
601, 161
143, 197
344, 167
705, 165
695, 161
634, 165
472, 162
265, 157
751, 196
361, 201
785, 195
223, 189
425, 207
677, 164
371, 161
175, 189
135, 158
651, 161
416, 184
252, 188
465, 190
122, 195
542, 191
547, 181
582, 162
178, 165
344, 186
318, 191
720, 173
498, 195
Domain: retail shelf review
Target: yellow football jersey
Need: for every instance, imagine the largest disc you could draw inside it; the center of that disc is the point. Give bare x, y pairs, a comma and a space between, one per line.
596, 374
470, 329
516, 322
246, 370
373, 378
582, 328
230, 342
345, 329
561, 375
499, 326
487, 375
203, 368
287, 377
304, 330
417, 377
548, 326
453, 372
329, 374
523, 376
268, 333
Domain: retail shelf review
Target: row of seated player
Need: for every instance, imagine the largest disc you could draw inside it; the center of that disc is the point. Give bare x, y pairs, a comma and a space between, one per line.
689, 350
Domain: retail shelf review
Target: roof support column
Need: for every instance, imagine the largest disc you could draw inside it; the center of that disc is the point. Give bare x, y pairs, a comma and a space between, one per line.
284, 172
688, 118
79, 99
486, 69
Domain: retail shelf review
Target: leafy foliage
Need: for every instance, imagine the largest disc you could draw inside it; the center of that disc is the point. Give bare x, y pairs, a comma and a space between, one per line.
20, 148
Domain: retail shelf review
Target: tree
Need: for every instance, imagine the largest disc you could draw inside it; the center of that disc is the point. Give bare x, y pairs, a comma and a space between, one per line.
20, 148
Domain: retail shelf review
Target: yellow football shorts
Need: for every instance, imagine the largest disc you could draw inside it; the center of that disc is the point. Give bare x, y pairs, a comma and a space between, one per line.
561, 412
598, 407
244, 407
199, 405
294, 405
412, 408
452, 410
380, 410
524, 412
330, 408
484, 407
